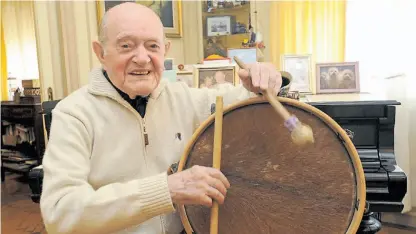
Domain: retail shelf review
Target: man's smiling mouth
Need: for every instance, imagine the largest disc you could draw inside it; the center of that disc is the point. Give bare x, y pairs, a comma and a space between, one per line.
139, 73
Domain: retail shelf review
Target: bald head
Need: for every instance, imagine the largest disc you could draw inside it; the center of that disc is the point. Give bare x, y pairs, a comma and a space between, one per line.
132, 48
116, 14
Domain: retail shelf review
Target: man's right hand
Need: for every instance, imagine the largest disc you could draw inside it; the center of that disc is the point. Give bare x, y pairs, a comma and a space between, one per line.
198, 186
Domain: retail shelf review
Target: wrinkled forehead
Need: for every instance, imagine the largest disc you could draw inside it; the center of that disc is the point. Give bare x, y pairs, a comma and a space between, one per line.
137, 27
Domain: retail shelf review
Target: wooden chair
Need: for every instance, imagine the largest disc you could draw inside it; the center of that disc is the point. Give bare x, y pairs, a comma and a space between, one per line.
36, 174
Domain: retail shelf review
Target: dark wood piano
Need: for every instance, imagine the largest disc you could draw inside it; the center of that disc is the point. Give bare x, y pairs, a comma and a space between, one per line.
370, 125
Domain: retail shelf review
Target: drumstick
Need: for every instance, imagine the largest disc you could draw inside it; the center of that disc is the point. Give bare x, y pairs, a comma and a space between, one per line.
301, 134
216, 162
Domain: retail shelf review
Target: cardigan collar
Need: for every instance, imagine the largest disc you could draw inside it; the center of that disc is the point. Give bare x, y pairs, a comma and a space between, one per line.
99, 85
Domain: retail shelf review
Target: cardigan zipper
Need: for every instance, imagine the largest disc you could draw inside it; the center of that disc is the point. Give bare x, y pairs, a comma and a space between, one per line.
143, 122
145, 135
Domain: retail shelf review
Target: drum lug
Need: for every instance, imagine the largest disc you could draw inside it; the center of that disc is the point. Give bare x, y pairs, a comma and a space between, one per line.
340, 137
350, 133
212, 108
173, 168
366, 208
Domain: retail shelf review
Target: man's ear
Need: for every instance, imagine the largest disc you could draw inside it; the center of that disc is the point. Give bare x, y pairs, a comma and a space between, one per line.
167, 47
98, 50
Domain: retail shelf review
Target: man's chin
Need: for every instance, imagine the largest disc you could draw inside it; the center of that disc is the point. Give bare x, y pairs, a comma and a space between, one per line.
145, 89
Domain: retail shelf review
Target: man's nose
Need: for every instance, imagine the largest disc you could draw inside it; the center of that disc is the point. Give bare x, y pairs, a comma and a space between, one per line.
141, 56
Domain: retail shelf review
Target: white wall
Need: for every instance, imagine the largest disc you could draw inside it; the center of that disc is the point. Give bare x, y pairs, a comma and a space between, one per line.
381, 35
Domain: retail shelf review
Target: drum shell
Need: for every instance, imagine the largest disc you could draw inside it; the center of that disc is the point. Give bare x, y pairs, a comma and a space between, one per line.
277, 186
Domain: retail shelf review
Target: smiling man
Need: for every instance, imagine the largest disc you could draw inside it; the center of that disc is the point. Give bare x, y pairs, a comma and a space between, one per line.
112, 141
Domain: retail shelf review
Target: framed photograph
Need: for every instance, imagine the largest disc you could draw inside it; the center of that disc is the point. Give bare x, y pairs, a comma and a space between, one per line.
168, 64
337, 77
219, 25
300, 67
214, 76
170, 13
185, 76
247, 55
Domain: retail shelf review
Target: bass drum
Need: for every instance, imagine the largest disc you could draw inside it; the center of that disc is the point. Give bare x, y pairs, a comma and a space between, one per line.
277, 186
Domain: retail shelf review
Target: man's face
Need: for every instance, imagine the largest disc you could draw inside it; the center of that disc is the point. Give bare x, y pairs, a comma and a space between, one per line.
219, 77
134, 53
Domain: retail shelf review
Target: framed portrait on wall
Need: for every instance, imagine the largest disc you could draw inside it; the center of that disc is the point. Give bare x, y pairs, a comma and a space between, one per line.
170, 13
337, 77
214, 76
300, 67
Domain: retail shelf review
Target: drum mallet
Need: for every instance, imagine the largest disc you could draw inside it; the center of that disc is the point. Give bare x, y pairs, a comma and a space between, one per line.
216, 162
301, 134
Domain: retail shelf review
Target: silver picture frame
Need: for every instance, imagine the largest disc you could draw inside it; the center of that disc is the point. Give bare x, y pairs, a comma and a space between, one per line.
300, 67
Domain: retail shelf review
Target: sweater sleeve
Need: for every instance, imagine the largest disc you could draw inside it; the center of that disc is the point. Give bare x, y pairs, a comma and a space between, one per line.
69, 204
204, 98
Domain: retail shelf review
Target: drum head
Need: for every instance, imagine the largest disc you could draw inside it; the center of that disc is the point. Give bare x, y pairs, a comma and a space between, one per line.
277, 186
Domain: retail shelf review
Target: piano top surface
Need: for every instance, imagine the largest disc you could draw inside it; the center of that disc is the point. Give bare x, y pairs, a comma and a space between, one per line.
348, 99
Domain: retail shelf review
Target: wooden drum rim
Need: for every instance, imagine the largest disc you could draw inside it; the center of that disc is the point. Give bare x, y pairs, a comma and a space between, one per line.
355, 159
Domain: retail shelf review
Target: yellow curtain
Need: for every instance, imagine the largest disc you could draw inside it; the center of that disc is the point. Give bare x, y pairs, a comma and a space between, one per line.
308, 27
4, 89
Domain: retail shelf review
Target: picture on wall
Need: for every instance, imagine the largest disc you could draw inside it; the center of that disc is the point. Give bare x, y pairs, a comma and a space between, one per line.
219, 25
214, 77
170, 13
337, 77
300, 67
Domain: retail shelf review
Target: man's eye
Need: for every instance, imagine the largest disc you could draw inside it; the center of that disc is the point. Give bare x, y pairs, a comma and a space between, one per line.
154, 46
125, 46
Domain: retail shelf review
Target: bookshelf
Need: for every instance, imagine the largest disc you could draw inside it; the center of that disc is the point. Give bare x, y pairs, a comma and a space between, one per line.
22, 140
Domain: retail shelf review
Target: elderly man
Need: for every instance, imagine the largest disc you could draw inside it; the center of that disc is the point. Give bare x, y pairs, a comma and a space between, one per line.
112, 141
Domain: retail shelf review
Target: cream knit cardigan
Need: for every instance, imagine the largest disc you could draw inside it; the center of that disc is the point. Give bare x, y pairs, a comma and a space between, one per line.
99, 177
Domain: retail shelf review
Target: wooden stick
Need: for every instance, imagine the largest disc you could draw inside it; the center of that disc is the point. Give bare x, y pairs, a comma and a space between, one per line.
277, 105
216, 162
300, 133
280, 109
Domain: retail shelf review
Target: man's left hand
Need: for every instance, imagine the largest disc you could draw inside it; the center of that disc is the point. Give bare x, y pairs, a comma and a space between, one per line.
261, 76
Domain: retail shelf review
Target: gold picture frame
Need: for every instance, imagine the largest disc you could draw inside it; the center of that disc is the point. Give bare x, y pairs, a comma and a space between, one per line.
174, 28
209, 73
